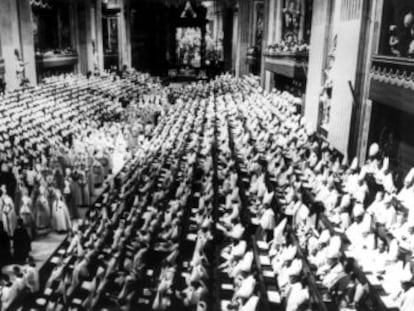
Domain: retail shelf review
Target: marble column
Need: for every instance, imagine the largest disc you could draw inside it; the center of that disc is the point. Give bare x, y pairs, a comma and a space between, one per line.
227, 38
17, 34
9, 30
89, 21
235, 41
319, 44
99, 35
85, 36
74, 31
273, 34
350, 31
374, 17
264, 80
244, 30
26, 39
124, 35
128, 20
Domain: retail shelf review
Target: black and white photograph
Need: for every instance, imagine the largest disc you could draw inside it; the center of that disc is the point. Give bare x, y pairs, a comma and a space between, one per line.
206, 155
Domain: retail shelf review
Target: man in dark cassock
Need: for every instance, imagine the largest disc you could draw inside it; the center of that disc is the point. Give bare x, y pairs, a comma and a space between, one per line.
2, 86
7, 178
4, 247
21, 242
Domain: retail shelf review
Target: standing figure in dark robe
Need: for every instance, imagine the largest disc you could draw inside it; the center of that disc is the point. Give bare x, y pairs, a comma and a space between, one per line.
59, 178
51, 196
4, 247
83, 182
42, 210
97, 174
76, 190
21, 242
7, 178
18, 196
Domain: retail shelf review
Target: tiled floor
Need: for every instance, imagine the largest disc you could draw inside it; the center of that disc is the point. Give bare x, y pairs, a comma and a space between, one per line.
43, 247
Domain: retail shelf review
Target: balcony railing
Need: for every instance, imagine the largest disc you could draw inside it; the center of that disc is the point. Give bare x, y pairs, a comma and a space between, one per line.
47, 61
392, 82
289, 64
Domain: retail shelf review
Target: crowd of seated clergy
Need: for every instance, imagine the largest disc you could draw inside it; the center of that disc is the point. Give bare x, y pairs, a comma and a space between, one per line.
235, 199
356, 201
124, 255
59, 142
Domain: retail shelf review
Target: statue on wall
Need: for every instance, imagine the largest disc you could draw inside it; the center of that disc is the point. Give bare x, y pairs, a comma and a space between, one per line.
95, 59
259, 24
20, 68
326, 92
398, 19
291, 16
394, 41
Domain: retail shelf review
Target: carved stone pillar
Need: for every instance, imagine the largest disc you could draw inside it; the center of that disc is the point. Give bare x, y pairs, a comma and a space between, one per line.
26, 39
319, 44
99, 35
350, 32
17, 34
124, 35
85, 36
244, 29
228, 38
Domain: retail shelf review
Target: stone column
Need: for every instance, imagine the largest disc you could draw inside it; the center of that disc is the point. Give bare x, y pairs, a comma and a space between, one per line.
124, 35
26, 39
85, 36
244, 29
227, 38
264, 80
74, 31
235, 41
278, 21
371, 47
99, 35
89, 22
350, 32
11, 41
319, 45
273, 34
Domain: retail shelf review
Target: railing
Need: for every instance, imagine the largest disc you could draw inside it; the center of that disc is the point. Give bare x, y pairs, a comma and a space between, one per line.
392, 82
56, 60
292, 65
287, 54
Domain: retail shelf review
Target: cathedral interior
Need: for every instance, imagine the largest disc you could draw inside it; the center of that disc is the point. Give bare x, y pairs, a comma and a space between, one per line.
207, 155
